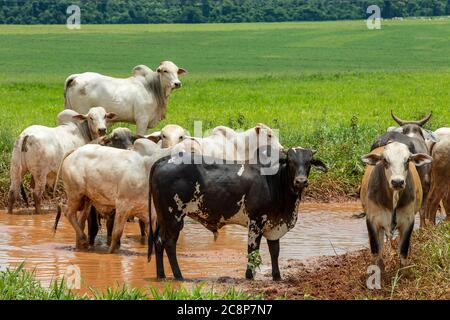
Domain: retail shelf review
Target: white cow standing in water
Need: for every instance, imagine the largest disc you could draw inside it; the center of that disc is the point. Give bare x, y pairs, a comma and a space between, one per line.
40, 150
140, 99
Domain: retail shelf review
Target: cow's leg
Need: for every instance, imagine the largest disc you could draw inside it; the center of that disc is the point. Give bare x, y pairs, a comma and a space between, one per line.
274, 249
405, 230
11, 200
159, 256
109, 227
432, 203
92, 225
142, 123
446, 203
376, 240
84, 215
39, 187
72, 207
171, 249
254, 240
120, 220
142, 226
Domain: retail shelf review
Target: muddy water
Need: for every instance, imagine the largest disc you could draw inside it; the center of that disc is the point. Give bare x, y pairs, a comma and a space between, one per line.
322, 229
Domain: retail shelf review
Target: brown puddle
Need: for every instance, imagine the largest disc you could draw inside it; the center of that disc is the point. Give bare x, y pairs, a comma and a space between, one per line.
322, 229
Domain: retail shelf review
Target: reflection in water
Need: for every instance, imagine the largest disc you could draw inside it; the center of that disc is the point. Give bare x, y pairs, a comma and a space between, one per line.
322, 229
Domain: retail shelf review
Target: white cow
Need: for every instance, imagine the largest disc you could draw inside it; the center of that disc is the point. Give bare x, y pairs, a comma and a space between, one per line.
40, 150
140, 99
109, 179
169, 136
225, 143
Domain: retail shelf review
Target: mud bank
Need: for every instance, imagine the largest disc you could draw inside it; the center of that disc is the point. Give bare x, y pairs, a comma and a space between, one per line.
345, 276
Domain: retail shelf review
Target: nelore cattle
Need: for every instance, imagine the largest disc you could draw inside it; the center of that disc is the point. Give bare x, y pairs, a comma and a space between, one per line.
40, 150
109, 179
123, 138
219, 194
141, 99
440, 178
412, 134
391, 194
227, 144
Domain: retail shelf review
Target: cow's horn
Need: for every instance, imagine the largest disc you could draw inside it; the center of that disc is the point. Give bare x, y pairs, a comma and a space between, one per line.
397, 119
424, 120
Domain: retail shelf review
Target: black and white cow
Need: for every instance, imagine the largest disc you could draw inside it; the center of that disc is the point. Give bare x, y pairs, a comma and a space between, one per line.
220, 194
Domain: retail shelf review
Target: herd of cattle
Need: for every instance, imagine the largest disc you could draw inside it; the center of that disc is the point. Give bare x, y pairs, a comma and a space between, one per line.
217, 180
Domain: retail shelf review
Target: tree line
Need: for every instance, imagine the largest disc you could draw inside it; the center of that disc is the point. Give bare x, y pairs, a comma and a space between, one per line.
202, 11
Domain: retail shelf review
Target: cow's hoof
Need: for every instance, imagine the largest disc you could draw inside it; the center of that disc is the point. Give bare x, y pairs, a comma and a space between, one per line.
276, 277
249, 275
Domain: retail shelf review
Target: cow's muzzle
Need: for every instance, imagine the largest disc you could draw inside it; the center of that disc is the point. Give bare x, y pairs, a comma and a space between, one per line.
102, 131
398, 184
177, 85
300, 183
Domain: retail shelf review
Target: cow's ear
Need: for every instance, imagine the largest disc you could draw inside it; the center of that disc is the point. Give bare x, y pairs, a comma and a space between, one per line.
111, 116
258, 129
283, 156
155, 136
420, 159
371, 159
319, 165
80, 117
182, 71
104, 140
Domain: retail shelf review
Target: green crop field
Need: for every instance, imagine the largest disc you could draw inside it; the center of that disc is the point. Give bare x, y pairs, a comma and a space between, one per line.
325, 85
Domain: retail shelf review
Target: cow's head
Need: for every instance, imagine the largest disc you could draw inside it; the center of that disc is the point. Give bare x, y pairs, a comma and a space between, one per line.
395, 159
169, 72
97, 119
169, 136
267, 136
412, 129
298, 163
121, 138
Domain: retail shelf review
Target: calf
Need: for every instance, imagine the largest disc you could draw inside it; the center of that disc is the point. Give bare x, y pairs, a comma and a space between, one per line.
39, 149
391, 194
220, 194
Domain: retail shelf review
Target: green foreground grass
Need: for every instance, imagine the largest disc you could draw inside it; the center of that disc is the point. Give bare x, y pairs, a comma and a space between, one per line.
21, 284
324, 85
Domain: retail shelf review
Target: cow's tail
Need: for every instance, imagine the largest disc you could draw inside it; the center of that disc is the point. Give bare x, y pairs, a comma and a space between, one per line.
151, 237
59, 171
58, 216
59, 209
24, 194
17, 163
70, 82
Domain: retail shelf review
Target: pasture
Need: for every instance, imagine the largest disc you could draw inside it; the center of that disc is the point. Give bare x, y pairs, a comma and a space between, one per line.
325, 85
329, 86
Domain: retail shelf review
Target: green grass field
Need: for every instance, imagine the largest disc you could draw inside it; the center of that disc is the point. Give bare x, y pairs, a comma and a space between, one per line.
325, 85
